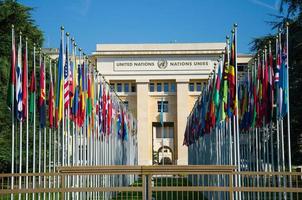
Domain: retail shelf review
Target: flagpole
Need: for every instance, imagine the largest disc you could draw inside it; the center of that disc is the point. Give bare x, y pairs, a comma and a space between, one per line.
63, 111
40, 137
44, 129
13, 108
68, 109
34, 126
288, 111
27, 135
50, 138
20, 131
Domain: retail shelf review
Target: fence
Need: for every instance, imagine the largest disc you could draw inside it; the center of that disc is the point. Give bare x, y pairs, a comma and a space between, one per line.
152, 182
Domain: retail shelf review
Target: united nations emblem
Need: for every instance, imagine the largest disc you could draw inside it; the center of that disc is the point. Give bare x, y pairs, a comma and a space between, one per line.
162, 64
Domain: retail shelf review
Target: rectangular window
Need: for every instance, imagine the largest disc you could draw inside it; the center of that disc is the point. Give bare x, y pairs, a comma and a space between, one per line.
133, 87
119, 87
166, 87
191, 87
112, 86
159, 88
173, 87
164, 132
126, 87
165, 106
198, 87
151, 87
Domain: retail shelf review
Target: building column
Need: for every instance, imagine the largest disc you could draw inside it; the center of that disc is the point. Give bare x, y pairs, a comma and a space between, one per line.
144, 132
182, 114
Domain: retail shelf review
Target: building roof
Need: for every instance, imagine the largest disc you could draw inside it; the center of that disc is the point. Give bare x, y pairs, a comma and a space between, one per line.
158, 49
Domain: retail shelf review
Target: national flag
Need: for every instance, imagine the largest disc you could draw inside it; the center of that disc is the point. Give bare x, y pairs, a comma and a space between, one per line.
224, 89
231, 76
24, 83
32, 91
100, 107
19, 97
59, 94
42, 96
283, 84
270, 87
66, 80
12, 75
51, 102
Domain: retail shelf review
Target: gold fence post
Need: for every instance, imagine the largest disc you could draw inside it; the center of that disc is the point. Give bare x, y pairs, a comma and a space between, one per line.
149, 186
231, 185
144, 187
62, 186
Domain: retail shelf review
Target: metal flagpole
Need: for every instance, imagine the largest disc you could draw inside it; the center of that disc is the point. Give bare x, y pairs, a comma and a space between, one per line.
50, 138
288, 112
68, 110
13, 109
62, 103
20, 131
45, 136
27, 134
40, 145
34, 126
237, 117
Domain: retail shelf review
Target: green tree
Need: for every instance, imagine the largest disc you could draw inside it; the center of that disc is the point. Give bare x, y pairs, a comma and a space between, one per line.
12, 13
290, 11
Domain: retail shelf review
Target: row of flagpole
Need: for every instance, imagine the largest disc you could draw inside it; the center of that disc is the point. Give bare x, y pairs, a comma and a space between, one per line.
88, 123
245, 129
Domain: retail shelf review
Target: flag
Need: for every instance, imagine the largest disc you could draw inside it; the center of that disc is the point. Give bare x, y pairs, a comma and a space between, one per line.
224, 89
19, 109
66, 79
59, 95
32, 90
42, 96
12, 74
217, 88
100, 108
270, 87
232, 78
51, 102
24, 83
283, 84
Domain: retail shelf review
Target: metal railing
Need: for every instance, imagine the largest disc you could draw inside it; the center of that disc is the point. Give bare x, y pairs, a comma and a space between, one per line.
151, 182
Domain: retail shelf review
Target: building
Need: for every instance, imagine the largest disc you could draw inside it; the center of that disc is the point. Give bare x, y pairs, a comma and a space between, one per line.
146, 75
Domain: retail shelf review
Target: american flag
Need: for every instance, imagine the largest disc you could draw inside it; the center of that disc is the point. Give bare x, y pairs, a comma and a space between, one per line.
66, 80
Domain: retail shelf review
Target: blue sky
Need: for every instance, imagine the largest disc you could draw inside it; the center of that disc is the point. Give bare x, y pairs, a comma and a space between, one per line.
152, 21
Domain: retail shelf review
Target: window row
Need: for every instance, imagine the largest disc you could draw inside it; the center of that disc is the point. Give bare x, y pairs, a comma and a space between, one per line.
196, 86
123, 87
162, 87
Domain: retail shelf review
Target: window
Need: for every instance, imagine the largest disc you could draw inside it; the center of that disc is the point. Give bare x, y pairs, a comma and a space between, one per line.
126, 103
126, 87
173, 88
159, 89
198, 87
166, 87
164, 132
119, 87
191, 87
151, 87
165, 106
133, 87
112, 86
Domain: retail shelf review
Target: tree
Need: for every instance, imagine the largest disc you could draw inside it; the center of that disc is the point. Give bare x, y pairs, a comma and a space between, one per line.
291, 11
12, 13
